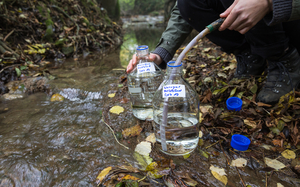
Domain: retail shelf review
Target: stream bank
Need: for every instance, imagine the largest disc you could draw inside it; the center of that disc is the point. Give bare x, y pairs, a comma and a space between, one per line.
35, 36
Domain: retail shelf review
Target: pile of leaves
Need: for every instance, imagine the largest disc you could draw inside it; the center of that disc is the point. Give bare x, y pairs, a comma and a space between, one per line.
273, 155
35, 34
211, 72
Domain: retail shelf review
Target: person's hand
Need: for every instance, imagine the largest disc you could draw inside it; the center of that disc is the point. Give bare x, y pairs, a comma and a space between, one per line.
242, 15
152, 57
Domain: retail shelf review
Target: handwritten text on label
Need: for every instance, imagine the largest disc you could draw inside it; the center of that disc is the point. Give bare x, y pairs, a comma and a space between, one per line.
145, 67
174, 90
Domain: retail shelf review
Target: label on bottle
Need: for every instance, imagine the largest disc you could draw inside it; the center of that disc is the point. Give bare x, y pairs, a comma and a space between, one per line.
174, 90
135, 90
145, 67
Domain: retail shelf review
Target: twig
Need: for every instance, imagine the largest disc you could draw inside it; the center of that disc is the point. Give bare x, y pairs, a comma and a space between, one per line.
212, 144
142, 179
269, 178
9, 67
8, 35
114, 134
225, 154
240, 176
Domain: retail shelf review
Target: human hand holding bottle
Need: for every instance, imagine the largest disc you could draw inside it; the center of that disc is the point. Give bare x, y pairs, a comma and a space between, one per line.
152, 57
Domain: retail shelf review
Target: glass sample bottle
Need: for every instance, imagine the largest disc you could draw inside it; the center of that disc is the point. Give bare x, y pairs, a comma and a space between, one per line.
176, 114
143, 81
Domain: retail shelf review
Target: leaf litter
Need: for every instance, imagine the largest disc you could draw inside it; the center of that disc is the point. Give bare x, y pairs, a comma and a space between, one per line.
273, 130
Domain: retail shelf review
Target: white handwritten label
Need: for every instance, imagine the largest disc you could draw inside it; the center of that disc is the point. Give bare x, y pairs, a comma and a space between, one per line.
135, 90
145, 67
174, 90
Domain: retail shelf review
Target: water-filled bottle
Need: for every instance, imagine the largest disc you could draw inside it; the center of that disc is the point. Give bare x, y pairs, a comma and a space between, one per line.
143, 81
176, 113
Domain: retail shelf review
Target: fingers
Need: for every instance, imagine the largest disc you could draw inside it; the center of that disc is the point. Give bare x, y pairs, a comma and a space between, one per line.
226, 14
132, 64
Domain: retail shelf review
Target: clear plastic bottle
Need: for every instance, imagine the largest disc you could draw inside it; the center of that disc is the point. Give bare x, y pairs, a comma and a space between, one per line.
176, 114
143, 81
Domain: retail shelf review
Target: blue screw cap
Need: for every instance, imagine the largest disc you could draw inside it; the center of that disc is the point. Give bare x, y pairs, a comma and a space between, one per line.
234, 103
240, 142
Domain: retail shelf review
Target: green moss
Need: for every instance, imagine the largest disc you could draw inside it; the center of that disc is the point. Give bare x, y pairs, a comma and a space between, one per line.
60, 42
68, 50
41, 10
48, 37
49, 22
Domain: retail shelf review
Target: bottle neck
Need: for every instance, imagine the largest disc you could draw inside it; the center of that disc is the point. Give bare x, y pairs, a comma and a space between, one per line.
174, 71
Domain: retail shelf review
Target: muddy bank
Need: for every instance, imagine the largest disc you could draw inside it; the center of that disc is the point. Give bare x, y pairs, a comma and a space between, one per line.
36, 36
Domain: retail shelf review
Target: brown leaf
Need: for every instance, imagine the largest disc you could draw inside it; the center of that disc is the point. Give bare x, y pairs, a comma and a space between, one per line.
263, 104
277, 142
133, 131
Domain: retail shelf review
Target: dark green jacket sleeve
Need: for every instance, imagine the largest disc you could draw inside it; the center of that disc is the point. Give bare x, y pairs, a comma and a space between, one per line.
172, 38
283, 10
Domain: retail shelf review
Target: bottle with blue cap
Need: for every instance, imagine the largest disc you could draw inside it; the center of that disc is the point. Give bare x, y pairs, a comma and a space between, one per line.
176, 113
142, 83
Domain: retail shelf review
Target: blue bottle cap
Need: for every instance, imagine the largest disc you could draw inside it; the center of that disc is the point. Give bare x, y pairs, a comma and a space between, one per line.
234, 103
142, 47
240, 142
172, 64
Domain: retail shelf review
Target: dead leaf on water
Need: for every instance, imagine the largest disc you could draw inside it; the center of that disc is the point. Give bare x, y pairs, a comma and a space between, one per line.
219, 174
57, 97
240, 162
132, 131
111, 95
288, 154
218, 170
274, 163
143, 148
116, 110
151, 138
102, 174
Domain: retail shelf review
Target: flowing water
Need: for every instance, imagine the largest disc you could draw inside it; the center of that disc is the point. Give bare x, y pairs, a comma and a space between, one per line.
44, 143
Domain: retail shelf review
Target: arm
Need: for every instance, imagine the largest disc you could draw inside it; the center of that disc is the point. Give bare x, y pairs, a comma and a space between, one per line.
172, 38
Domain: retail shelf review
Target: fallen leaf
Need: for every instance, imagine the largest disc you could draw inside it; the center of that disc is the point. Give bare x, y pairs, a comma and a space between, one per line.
218, 170
250, 123
288, 154
240, 162
274, 163
277, 142
102, 174
129, 177
132, 131
116, 110
279, 185
57, 97
186, 156
151, 138
111, 95
267, 147
223, 178
231, 66
143, 148
263, 104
